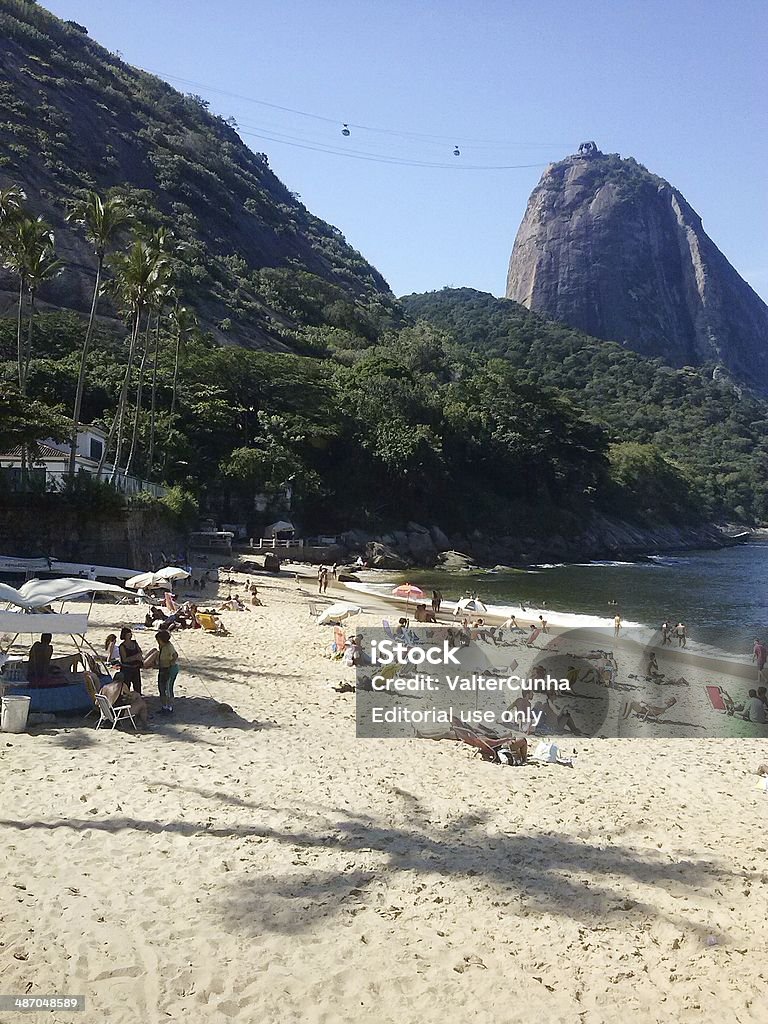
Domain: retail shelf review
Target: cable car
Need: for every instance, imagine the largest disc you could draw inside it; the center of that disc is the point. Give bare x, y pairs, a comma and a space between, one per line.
345, 130
456, 151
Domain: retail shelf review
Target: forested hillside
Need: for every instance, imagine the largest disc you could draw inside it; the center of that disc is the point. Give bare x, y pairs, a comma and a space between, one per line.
714, 430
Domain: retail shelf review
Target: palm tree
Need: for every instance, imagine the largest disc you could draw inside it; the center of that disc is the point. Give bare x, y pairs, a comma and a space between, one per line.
161, 244
136, 274
42, 266
27, 245
168, 296
184, 322
102, 220
11, 213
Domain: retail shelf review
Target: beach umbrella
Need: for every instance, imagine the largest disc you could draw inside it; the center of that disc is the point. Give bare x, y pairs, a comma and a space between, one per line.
172, 572
471, 604
337, 612
409, 591
147, 581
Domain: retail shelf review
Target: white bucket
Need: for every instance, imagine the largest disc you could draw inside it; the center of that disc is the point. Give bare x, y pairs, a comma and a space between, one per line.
14, 713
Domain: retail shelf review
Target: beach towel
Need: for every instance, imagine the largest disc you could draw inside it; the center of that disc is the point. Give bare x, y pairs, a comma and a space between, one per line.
716, 699
549, 753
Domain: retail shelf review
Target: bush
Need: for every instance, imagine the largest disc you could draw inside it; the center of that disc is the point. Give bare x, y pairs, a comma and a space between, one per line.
182, 504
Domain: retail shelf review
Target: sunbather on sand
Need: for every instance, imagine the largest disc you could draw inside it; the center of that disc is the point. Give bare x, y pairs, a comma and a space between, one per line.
653, 669
552, 720
119, 693
640, 707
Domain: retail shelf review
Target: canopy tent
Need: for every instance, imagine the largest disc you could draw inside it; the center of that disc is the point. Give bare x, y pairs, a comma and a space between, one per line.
70, 694
41, 593
470, 604
65, 624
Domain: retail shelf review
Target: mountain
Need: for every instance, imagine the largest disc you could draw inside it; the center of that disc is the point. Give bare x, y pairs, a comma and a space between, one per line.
616, 251
74, 116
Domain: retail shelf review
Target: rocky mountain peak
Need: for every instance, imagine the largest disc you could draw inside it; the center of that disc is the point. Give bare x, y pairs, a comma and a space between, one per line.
613, 249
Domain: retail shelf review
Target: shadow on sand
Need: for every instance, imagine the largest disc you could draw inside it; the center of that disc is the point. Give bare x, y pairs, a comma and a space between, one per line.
534, 872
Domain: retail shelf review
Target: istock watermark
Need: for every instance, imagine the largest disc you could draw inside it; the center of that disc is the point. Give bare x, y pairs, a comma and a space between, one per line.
424, 678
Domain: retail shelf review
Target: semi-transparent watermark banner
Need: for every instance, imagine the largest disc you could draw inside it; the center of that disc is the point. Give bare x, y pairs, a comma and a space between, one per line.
424, 680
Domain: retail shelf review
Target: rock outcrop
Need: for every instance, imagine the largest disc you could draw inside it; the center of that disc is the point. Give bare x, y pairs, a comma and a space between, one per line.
616, 251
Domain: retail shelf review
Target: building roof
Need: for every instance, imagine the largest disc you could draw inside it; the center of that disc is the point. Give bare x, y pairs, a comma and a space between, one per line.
36, 451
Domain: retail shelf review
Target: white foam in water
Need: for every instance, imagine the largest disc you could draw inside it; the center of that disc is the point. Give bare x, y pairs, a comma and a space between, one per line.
566, 620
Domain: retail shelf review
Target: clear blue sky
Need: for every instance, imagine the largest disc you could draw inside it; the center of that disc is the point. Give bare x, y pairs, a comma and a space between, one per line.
679, 84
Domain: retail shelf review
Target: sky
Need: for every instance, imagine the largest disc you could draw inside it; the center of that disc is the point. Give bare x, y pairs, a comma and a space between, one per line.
680, 85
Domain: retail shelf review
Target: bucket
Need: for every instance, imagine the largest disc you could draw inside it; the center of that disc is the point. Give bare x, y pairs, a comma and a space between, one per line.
14, 713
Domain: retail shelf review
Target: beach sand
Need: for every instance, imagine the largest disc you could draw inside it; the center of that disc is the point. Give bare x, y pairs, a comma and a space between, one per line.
263, 864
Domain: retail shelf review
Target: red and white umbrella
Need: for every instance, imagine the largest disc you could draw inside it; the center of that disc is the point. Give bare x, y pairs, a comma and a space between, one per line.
409, 591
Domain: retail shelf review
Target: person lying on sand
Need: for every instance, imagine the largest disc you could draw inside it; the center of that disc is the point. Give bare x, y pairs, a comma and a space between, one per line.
552, 720
640, 707
119, 693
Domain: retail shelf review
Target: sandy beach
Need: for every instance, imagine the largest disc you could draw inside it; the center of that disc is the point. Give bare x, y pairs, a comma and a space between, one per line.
264, 864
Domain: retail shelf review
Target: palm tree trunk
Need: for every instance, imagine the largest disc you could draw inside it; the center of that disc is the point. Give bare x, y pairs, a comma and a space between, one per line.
28, 348
123, 400
19, 344
81, 374
139, 391
151, 456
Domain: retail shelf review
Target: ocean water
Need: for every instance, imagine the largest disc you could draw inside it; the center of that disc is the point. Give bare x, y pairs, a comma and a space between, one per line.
721, 596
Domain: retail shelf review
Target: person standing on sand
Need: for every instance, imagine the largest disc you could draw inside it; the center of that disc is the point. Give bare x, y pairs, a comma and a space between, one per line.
437, 600
131, 659
665, 631
760, 655
617, 625
682, 636
543, 626
167, 668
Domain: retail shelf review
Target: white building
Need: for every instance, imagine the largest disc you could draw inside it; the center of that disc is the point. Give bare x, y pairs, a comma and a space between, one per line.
48, 464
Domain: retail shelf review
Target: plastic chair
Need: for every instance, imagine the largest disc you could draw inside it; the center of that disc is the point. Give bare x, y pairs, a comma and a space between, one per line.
107, 713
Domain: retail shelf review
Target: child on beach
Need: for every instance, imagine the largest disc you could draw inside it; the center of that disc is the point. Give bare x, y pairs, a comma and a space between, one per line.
167, 668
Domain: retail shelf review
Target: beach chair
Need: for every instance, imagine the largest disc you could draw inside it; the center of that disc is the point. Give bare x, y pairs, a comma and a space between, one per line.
91, 688
110, 715
170, 604
646, 716
208, 622
314, 609
719, 700
387, 629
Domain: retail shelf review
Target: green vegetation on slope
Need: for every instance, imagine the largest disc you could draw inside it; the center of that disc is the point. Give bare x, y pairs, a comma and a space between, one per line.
257, 257
713, 431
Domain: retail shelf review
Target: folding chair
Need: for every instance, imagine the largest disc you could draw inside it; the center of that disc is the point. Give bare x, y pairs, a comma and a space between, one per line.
107, 713
314, 609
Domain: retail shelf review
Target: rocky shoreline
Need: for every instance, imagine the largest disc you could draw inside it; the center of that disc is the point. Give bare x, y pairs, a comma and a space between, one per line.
428, 547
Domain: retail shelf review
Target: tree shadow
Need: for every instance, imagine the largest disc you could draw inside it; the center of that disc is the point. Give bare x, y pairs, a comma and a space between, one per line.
538, 872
